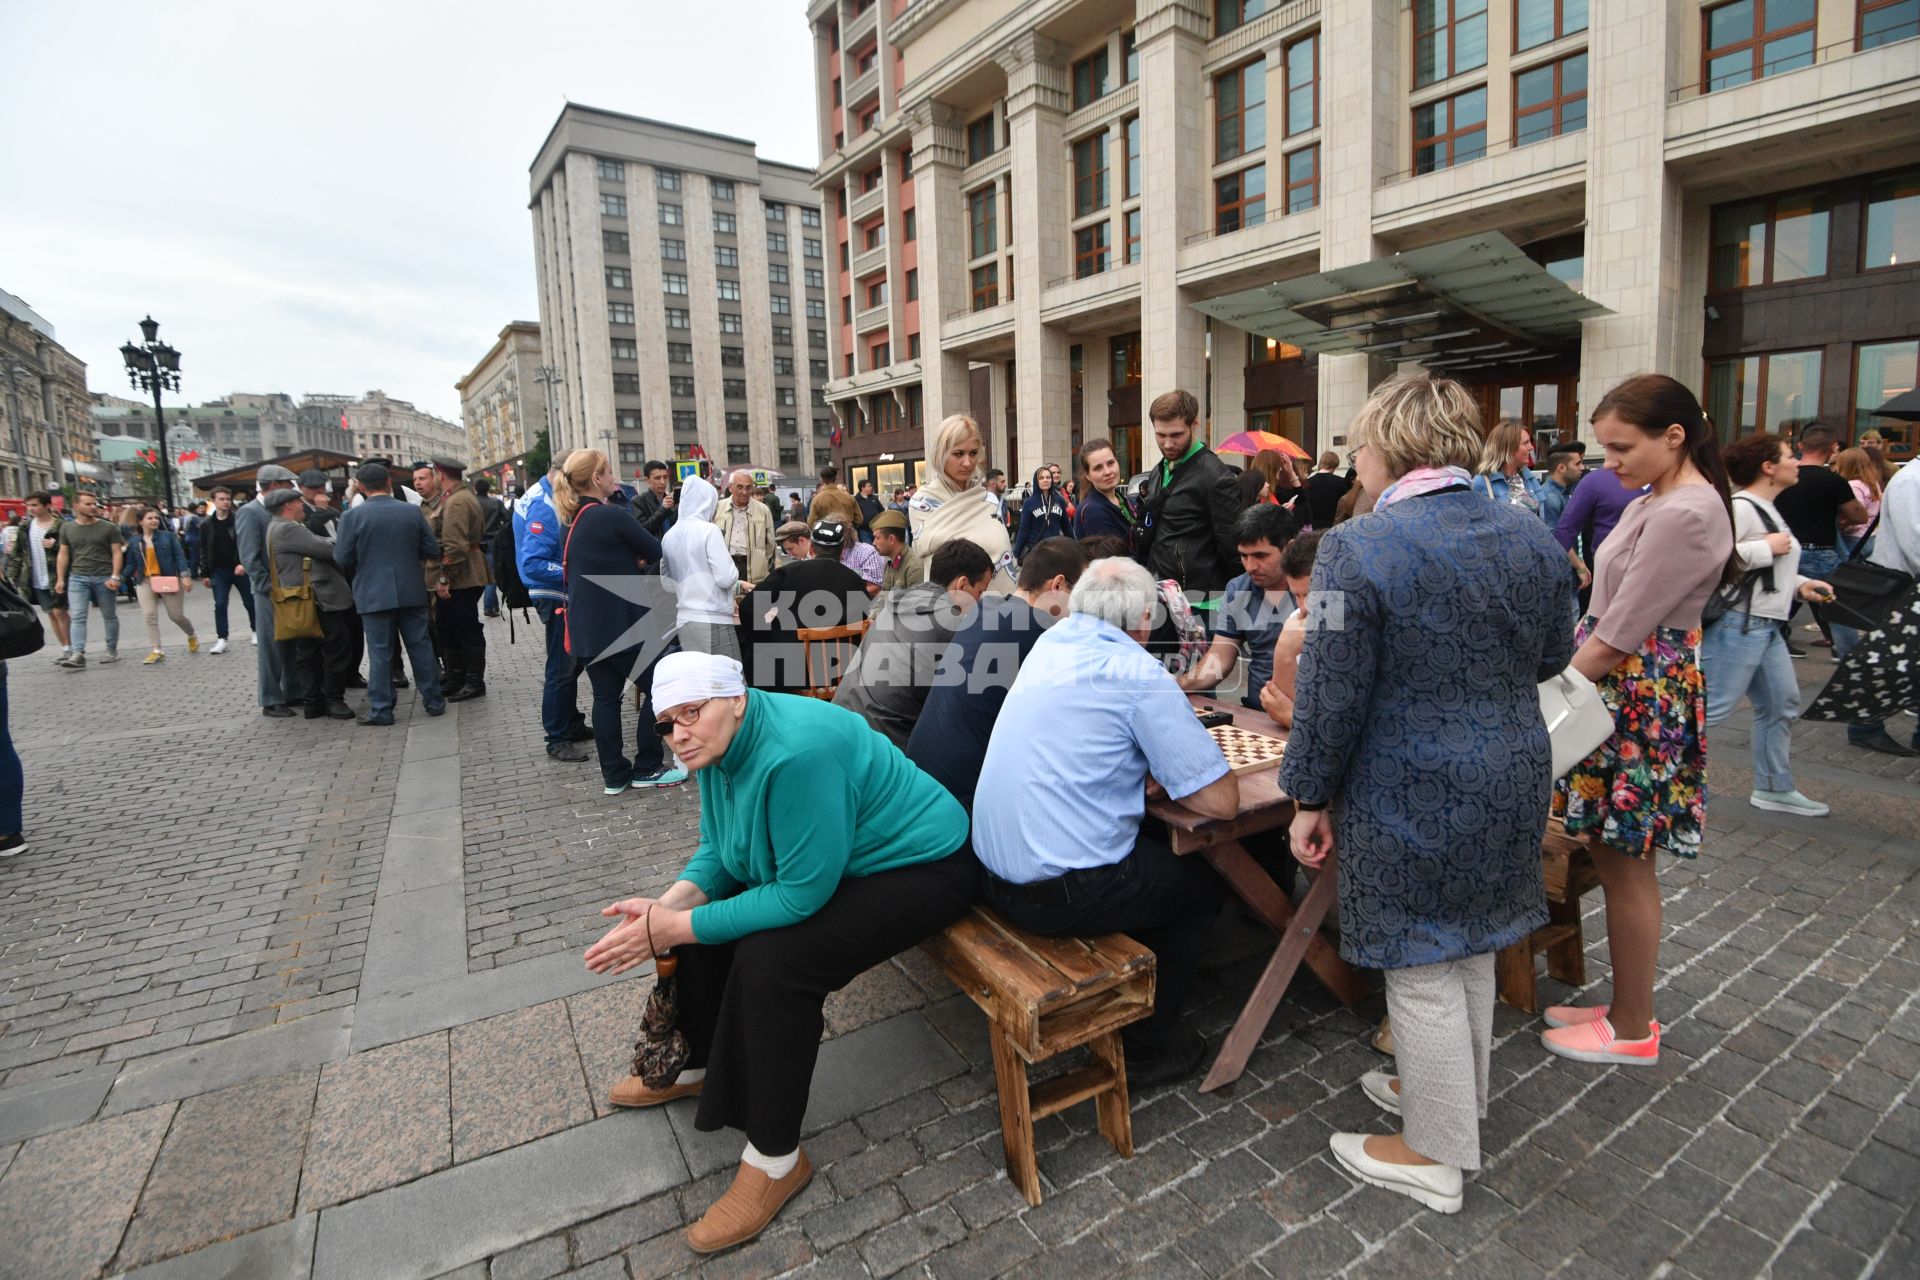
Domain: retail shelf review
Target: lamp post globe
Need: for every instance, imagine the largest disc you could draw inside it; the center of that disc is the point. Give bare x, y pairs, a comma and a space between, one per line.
155, 367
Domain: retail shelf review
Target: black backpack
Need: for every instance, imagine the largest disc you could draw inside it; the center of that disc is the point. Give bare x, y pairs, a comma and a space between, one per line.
20, 629
506, 575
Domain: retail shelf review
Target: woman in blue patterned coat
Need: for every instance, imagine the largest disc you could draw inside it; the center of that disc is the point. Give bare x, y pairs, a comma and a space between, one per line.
1419, 753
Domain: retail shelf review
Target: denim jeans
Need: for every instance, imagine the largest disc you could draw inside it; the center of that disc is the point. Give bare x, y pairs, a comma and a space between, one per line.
1745, 656
13, 780
560, 698
223, 581
410, 626
85, 589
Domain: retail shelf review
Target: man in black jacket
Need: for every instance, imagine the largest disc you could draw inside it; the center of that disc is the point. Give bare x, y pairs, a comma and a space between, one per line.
1191, 502
495, 513
653, 504
220, 565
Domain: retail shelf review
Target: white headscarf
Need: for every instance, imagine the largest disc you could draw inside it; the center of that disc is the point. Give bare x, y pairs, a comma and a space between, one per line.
682, 678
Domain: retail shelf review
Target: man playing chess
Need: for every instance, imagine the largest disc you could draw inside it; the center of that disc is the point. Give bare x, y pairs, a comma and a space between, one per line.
1094, 718
1253, 612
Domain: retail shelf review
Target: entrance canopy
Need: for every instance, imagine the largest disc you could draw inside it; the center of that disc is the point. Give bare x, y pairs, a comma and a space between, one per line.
1465, 305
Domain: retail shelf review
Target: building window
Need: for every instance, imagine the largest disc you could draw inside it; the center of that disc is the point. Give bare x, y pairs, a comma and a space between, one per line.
624, 349
1124, 360
620, 313
1450, 131
1770, 241
781, 304
906, 163
1090, 174
1130, 180
628, 420
870, 179
789, 426
673, 282
816, 308
1090, 82
909, 227
1090, 249
1129, 58
723, 190
679, 318
667, 179
1269, 350
1893, 222
809, 216
613, 241
812, 248
776, 242
814, 277
1751, 39
1131, 251
986, 286
1240, 200
730, 322
1778, 392
784, 395
1303, 84
613, 206
880, 355
1881, 371
783, 335
733, 388
725, 255
981, 216
1240, 111
733, 357
913, 346
775, 211
673, 250
1229, 15
1449, 39
679, 353
728, 290
849, 364
817, 369
670, 215
1303, 179
913, 285
610, 170
778, 274
980, 139
877, 292
846, 254
626, 384
1884, 21
619, 278
1550, 100
725, 223
816, 339
680, 385
686, 420
846, 308
874, 236
1538, 22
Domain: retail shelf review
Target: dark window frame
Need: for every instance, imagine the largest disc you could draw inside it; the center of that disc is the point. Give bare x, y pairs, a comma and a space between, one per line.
1555, 106
1862, 9
1772, 203
1093, 249
1092, 190
1451, 135
1086, 90
984, 282
1238, 113
1451, 26
1560, 28
1756, 41
1312, 38
981, 199
1311, 184
1237, 207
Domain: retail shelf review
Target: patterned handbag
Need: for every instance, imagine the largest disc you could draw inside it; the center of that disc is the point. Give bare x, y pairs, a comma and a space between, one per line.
661, 1052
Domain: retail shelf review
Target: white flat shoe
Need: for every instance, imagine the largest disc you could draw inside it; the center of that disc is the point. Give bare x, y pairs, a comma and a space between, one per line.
1378, 1086
1437, 1186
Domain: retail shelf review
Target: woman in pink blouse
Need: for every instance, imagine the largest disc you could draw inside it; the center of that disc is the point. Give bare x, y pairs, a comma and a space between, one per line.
1645, 790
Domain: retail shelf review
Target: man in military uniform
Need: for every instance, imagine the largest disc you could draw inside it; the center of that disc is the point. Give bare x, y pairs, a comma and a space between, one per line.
460, 522
904, 566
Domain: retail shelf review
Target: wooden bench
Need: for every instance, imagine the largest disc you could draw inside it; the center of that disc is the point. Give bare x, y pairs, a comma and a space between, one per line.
1043, 996
1569, 874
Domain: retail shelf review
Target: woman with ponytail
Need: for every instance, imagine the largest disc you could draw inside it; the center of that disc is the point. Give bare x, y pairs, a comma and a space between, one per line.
1644, 791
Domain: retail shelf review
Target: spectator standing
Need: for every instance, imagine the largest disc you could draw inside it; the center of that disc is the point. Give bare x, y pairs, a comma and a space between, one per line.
461, 526
695, 560
382, 543
155, 552
1592, 511
1643, 792
190, 532
1566, 463
1104, 508
538, 547
1451, 611
746, 528
221, 567
653, 504
1506, 467
955, 503
1868, 481
250, 532
34, 569
1188, 506
1896, 545
87, 573
128, 518
870, 506
495, 513
1815, 508
996, 486
321, 663
1325, 487
1044, 513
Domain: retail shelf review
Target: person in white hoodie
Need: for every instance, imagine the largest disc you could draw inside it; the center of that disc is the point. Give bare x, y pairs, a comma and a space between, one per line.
703, 575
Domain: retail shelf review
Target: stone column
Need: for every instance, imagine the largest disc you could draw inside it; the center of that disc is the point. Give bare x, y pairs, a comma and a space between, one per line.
939, 154
1229, 369
1037, 97
1634, 263
1174, 149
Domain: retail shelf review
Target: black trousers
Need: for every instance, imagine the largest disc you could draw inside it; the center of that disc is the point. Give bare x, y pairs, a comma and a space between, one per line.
460, 626
325, 665
1160, 899
751, 1009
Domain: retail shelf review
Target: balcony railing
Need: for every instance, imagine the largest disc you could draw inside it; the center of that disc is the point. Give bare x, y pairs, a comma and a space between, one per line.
870, 319
858, 29
874, 259
867, 203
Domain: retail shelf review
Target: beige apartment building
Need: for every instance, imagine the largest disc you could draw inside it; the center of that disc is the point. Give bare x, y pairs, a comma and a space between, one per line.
682, 295
1045, 212
46, 420
379, 426
503, 401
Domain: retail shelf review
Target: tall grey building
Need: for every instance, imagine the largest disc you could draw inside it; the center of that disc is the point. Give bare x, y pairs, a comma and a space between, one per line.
682, 294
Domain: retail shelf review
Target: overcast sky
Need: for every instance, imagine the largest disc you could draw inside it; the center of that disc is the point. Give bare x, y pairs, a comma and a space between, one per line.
334, 197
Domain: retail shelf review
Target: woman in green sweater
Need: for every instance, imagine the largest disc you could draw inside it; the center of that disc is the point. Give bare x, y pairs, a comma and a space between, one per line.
823, 851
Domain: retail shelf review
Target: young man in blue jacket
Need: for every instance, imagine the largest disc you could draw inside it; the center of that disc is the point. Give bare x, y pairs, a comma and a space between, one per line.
539, 540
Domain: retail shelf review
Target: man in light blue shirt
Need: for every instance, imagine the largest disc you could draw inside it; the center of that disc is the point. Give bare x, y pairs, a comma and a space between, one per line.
1091, 719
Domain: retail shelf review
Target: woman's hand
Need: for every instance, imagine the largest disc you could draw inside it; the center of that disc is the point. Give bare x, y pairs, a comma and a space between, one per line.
1311, 836
1780, 543
1814, 591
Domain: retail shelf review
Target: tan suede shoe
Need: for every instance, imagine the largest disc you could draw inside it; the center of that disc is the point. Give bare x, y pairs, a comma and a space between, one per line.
633, 1092
749, 1205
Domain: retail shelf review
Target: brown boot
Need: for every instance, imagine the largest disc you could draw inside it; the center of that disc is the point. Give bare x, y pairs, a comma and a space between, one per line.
749, 1205
633, 1092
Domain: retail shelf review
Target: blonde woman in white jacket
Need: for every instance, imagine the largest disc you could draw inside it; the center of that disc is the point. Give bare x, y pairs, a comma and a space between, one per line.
702, 573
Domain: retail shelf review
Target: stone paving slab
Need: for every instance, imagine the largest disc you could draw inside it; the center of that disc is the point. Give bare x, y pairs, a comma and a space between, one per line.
186, 1073
399, 1093
66, 1197
283, 1251
516, 1077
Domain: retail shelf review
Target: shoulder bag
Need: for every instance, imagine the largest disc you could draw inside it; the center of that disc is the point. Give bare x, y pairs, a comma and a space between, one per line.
1866, 594
1738, 594
1577, 718
20, 629
296, 615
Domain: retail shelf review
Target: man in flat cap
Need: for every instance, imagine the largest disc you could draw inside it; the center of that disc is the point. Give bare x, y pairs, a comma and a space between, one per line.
383, 543
277, 694
460, 522
323, 662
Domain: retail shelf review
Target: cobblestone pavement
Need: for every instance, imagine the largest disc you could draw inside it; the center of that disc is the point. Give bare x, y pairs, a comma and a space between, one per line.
342, 1099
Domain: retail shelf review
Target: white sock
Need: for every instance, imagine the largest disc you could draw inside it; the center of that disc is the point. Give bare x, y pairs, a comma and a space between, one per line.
775, 1167
692, 1075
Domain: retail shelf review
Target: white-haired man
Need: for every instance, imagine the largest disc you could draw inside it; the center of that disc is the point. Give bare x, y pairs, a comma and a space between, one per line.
747, 526
1095, 718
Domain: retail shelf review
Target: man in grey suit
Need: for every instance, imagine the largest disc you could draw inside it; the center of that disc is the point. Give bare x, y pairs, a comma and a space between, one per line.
277, 691
383, 543
323, 665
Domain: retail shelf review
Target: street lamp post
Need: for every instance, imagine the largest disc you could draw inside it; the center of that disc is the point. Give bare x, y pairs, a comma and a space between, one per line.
155, 367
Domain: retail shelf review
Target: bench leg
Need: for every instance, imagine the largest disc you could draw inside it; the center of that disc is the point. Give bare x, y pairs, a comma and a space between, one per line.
1016, 1115
1116, 1116
1567, 958
1514, 978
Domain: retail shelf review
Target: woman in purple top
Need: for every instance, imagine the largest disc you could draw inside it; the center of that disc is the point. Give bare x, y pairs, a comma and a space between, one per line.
1644, 791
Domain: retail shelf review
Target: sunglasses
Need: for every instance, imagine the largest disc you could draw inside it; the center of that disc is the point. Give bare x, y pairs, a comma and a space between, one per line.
684, 717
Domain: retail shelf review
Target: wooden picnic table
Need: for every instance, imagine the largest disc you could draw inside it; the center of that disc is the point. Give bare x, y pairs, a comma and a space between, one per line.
1263, 807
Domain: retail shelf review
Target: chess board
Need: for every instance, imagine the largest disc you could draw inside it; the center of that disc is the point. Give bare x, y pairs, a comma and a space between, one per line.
1247, 751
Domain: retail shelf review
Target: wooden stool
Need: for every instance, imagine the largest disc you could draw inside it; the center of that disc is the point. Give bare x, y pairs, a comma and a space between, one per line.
1569, 873
1043, 996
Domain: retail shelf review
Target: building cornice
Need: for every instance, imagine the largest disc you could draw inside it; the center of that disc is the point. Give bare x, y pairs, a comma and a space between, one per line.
918, 15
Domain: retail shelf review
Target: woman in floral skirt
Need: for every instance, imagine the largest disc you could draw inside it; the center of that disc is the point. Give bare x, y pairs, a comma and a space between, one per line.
1644, 792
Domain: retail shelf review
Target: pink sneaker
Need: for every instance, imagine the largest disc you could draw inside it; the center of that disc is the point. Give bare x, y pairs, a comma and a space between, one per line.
1595, 1042
1574, 1015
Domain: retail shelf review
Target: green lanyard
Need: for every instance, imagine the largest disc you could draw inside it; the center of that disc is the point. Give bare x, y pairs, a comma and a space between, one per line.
1166, 468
